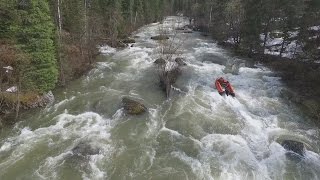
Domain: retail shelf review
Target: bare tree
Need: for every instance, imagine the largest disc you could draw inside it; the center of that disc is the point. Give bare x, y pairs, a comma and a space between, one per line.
169, 71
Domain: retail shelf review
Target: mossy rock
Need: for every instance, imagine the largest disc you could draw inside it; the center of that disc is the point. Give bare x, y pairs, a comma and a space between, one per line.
133, 107
160, 37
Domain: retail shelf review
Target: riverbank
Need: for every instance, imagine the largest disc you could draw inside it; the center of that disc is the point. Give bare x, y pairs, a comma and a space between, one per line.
303, 81
13, 104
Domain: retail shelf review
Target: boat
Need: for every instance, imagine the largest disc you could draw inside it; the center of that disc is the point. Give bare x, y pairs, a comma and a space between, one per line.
224, 87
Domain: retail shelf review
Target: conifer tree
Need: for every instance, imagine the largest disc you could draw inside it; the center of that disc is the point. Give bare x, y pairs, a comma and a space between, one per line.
35, 37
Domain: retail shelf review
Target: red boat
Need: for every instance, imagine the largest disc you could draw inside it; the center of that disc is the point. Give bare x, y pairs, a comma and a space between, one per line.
224, 87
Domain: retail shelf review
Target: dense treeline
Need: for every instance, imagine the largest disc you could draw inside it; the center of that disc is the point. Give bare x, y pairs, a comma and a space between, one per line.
52, 41
287, 28
82, 24
27, 44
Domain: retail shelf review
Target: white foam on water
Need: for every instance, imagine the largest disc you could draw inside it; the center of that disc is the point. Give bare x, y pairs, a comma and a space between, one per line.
102, 66
48, 169
96, 172
56, 106
233, 156
86, 126
202, 171
5, 147
173, 132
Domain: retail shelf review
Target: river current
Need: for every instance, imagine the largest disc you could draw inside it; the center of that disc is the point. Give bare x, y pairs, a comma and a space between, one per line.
196, 134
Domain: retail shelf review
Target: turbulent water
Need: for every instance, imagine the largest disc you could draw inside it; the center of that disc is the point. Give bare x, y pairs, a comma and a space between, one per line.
196, 134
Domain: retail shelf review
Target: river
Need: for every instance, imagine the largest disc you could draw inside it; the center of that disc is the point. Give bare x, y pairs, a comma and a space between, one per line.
196, 134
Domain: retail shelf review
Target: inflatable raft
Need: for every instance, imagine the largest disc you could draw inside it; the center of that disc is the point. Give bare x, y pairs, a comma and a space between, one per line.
224, 87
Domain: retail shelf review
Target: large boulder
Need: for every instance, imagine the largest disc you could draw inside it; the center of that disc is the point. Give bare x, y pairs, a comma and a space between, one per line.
180, 61
160, 37
294, 146
133, 107
160, 61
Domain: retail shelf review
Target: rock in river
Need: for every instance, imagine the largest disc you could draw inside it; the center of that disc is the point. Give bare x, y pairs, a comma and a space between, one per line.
160, 61
180, 62
84, 149
294, 146
160, 37
128, 41
133, 107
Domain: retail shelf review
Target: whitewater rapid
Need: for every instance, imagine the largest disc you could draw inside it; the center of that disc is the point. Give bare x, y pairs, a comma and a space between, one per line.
195, 134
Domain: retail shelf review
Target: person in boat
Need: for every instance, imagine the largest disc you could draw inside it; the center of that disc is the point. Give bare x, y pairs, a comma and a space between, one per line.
224, 87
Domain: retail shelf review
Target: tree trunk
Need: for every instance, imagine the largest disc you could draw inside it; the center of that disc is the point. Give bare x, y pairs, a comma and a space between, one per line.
85, 22
282, 47
18, 99
266, 35
210, 15
59, 17
135, 18
62, 76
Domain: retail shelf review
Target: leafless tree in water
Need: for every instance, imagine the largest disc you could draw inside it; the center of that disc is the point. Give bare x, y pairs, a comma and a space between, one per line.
168, 50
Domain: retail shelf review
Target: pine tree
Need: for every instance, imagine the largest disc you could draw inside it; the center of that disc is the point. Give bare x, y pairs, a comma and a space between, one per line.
35, 37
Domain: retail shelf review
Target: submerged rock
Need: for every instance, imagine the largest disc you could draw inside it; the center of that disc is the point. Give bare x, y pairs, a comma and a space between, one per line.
84, 149
160, 37
80, 156
160, 61
180, 61
133, 107
294, 146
